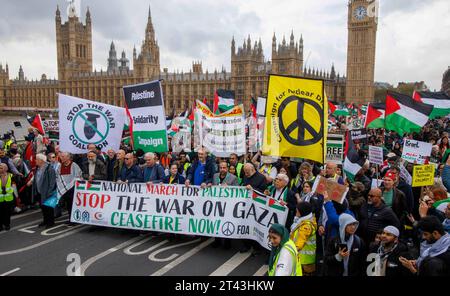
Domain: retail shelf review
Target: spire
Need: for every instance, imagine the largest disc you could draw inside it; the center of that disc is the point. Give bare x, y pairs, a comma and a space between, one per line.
134, 52
249, 43
58, 14
112, 47
149, 31
333, 72
233, 46
88, 15
284, 40
292, 39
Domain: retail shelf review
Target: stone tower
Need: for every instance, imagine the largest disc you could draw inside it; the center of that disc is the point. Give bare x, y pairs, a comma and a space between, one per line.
246, 64
146, 64
74, 44
288, 58
362, 33
4, 84
112, 60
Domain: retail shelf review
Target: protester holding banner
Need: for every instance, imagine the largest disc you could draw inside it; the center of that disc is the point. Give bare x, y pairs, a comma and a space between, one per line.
280, 191
93, 169
38, 142
223, 177
66, 175
201, 171
152, 171
234, 161
110, 162
130, 173
174, 176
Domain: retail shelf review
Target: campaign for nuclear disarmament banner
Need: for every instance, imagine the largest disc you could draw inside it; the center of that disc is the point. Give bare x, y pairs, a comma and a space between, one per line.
296, 118
218, 211
83, 122
221, 134
145, 108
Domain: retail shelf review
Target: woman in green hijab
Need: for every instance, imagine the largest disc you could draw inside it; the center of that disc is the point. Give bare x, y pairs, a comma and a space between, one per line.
284, 259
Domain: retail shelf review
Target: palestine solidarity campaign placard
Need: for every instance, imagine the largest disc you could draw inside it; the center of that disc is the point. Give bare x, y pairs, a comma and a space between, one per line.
145, 108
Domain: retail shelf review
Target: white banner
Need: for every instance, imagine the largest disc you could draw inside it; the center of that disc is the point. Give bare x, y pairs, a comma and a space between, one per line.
223, 134
83, 122
376, 155
228, 212
416, 151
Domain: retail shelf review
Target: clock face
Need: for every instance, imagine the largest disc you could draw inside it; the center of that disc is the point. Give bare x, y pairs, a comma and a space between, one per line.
360, 13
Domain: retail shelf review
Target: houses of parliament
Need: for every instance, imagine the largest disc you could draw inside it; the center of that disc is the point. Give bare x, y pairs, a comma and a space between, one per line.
248, 76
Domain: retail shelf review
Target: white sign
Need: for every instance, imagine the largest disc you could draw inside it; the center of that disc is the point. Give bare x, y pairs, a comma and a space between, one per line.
335, 148
416, 151
376, 155
405, 175
376, 183
84, 122
261, 107
50, 126
228, 212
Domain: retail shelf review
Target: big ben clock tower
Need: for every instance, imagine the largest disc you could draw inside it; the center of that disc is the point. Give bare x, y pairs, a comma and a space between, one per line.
362, 35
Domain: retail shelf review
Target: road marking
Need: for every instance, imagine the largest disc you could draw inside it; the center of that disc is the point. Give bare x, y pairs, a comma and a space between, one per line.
10, 272
152, 256
18, 216
82, 269
68, 228
231, 264
262, 271
74, 230
131, 253
27, 224
27, 229
181, 259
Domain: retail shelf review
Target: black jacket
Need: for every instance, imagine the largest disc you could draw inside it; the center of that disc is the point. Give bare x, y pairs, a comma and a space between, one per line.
394, 268
356, 263
379, 218
436, 266
257, 181
399, 205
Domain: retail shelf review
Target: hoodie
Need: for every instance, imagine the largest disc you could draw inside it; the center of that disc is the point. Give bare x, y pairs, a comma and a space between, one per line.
344, 220
433, 250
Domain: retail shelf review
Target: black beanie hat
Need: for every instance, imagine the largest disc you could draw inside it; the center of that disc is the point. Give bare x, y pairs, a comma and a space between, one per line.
304, 208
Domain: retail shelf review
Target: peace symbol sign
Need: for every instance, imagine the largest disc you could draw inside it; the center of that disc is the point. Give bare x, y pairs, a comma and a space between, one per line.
300, 124
228, 228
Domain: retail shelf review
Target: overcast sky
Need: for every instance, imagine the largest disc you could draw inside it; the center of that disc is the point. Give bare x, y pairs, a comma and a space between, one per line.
413, 40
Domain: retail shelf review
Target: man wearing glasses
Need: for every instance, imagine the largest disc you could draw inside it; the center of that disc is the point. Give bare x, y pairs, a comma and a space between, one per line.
130, 172
380, 215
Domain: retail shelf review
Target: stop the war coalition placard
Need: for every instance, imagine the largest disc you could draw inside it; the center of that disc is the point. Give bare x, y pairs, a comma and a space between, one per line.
228, 212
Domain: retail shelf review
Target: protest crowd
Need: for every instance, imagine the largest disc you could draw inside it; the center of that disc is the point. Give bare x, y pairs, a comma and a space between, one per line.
381, 226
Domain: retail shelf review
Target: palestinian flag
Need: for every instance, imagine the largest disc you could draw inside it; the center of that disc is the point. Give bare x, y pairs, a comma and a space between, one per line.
36, 122
439, 100
341, 111
353, 161
274, 204
332, 107
223, 101
405, 115
375, 115
89, 186
259, 197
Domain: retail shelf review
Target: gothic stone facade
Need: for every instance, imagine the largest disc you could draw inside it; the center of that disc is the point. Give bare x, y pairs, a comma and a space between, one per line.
248, 76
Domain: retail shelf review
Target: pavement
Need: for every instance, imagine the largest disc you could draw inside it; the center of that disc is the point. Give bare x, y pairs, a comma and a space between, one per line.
82, 250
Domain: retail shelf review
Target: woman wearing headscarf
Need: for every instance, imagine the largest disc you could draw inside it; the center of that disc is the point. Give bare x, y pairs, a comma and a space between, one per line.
284, 259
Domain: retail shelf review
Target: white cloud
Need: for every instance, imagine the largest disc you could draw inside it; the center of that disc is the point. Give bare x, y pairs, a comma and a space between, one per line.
412, 44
